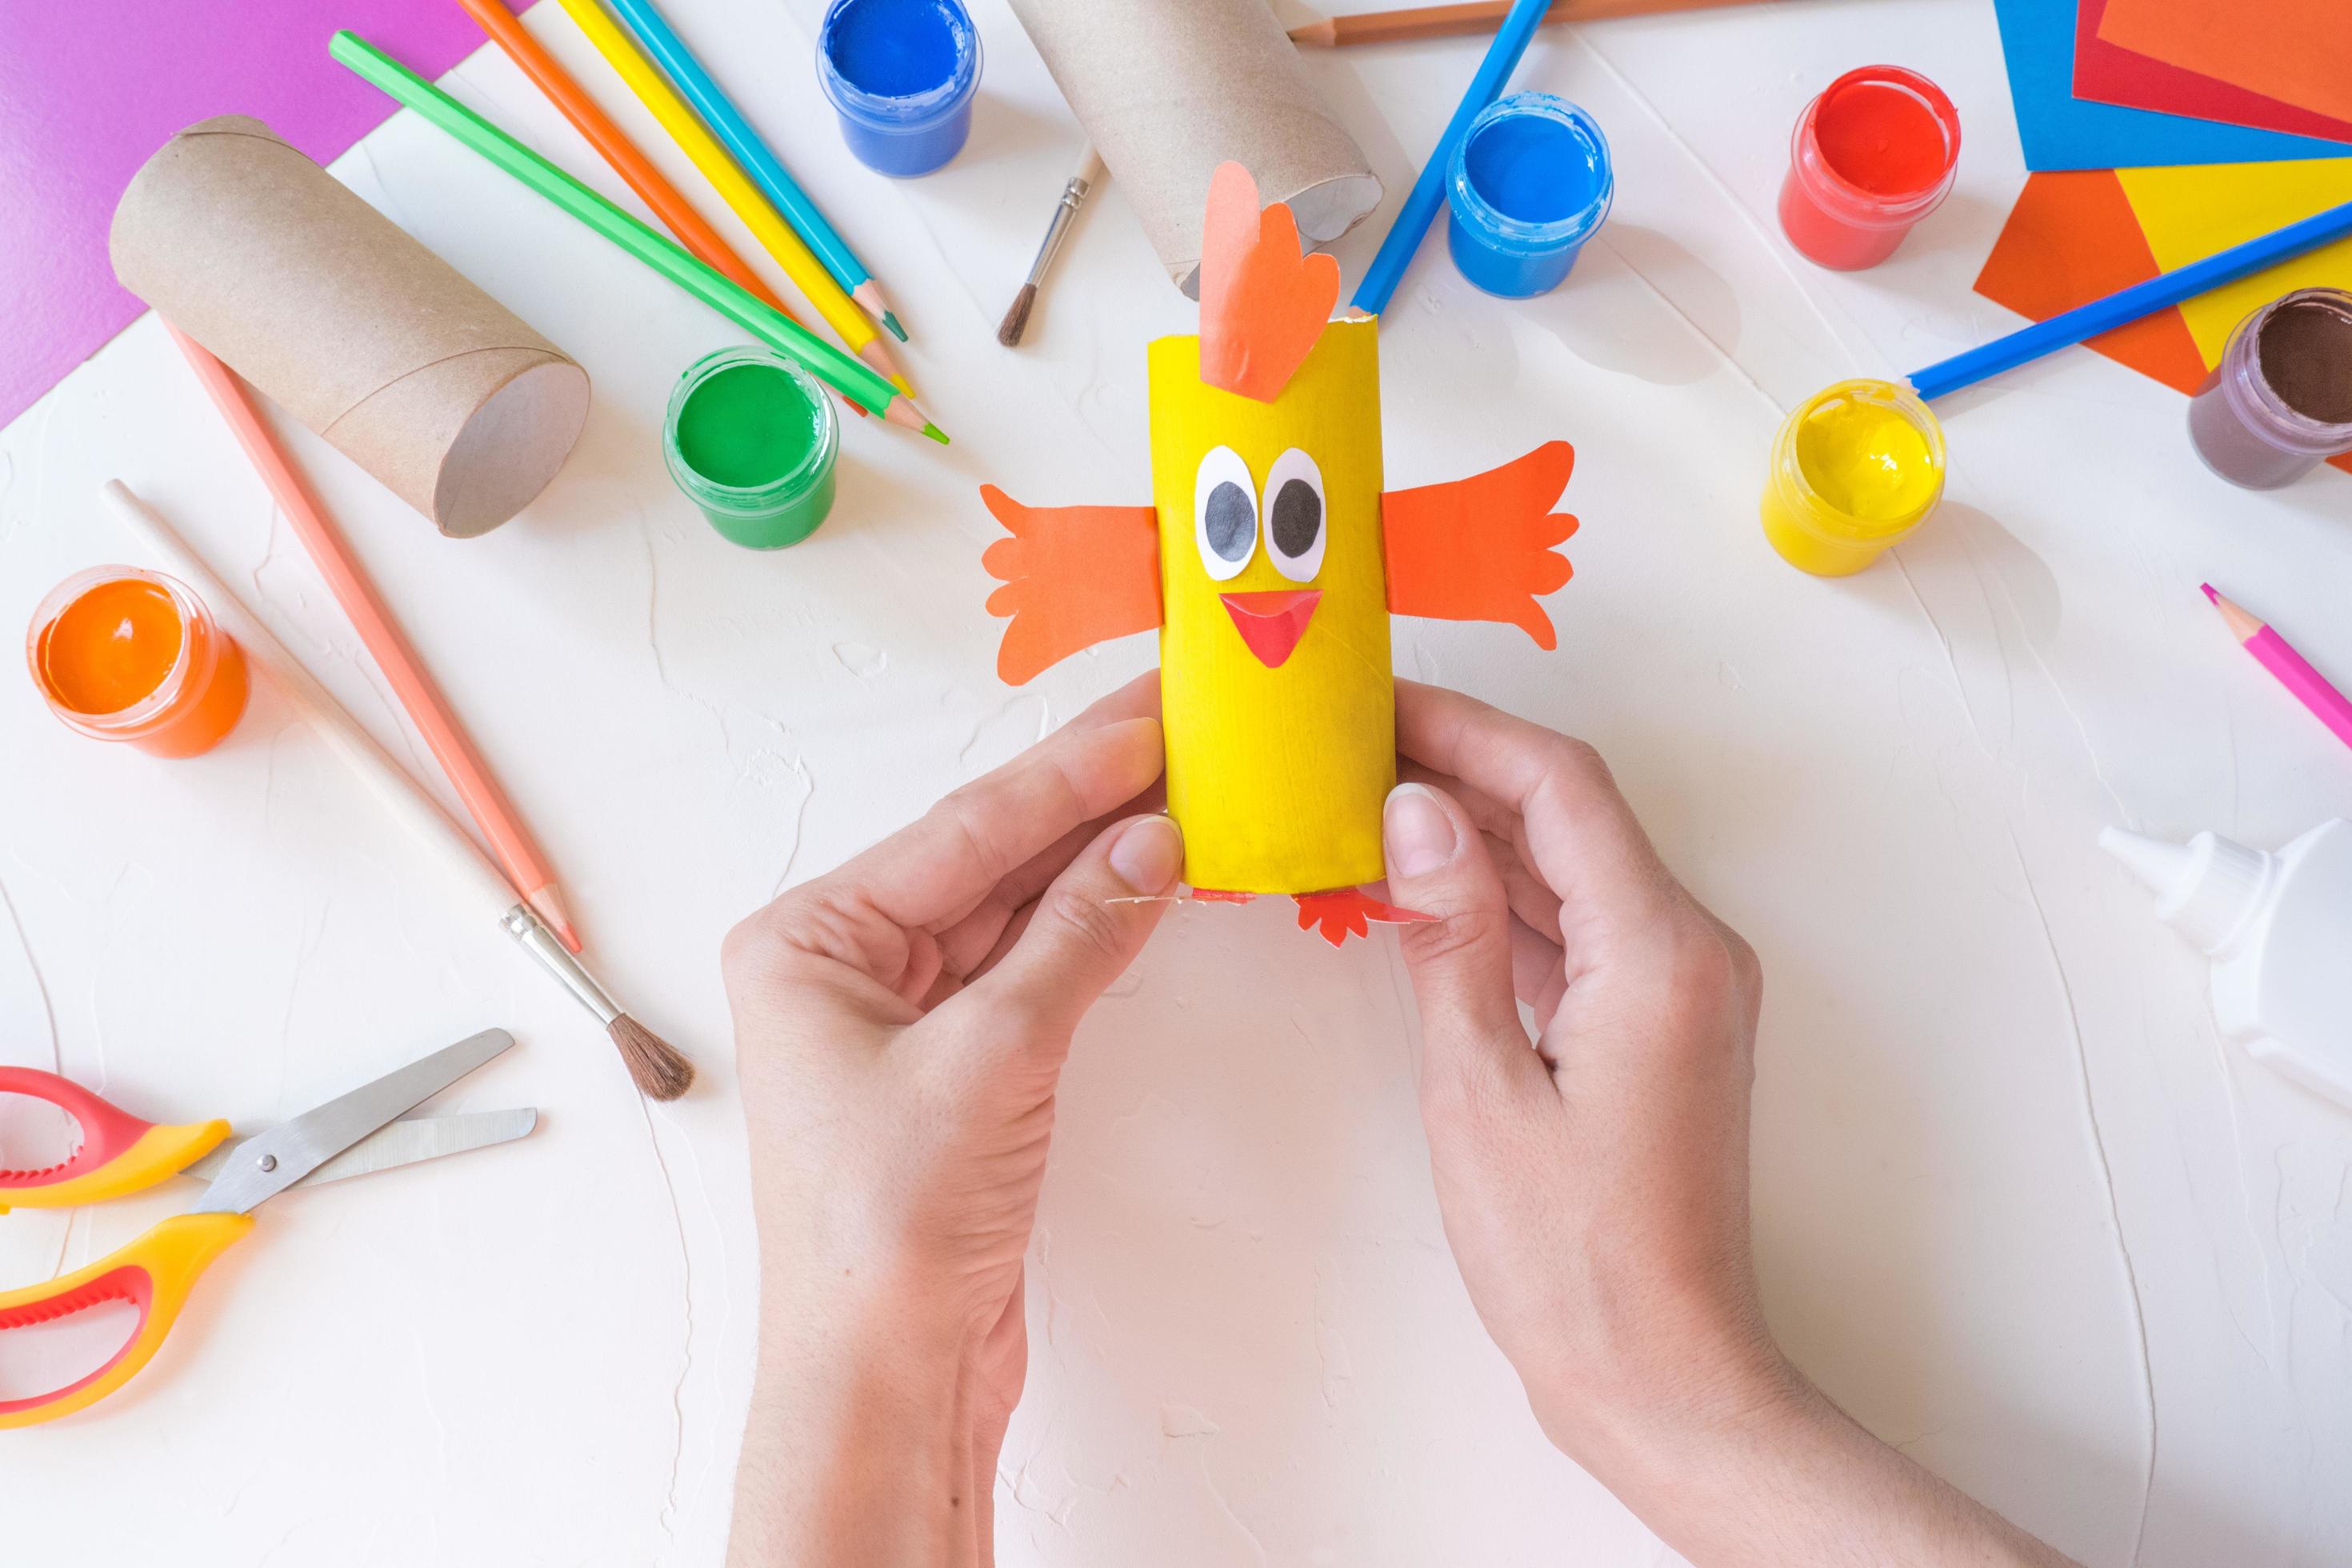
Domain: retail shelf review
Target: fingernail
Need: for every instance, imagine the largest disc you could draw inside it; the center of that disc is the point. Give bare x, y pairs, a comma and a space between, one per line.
1148, 854
1419, 835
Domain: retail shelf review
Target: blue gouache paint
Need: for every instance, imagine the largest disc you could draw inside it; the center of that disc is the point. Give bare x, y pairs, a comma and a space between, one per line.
901, 74
1531, 181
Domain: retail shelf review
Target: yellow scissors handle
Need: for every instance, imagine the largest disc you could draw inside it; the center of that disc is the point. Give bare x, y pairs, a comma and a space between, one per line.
153, 1274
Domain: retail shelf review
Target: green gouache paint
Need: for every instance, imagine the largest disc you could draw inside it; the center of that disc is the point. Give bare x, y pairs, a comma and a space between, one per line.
752, 440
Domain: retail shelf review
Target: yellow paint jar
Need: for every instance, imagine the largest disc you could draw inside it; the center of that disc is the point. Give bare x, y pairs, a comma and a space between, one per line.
1857, 467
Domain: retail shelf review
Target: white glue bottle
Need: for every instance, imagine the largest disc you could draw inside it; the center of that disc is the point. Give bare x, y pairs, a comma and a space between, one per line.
2279, 930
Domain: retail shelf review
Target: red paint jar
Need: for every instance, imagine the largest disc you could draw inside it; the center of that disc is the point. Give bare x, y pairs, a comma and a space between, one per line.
1873, 155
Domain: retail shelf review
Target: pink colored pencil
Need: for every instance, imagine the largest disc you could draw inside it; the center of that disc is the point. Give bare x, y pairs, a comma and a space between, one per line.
426, 707
2294, 672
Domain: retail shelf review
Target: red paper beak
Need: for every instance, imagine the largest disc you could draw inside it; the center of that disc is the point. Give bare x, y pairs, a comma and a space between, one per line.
1273, 623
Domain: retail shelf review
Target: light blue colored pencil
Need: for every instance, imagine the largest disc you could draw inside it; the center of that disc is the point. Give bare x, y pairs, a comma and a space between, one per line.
2142, 298
727, 123
1428, 193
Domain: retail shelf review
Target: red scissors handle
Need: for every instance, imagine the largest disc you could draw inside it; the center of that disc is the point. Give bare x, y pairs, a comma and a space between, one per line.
119, 1153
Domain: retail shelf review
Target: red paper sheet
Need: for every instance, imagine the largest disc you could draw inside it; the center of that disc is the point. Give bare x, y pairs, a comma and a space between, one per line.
2109, 73
2071, 238
2296, 50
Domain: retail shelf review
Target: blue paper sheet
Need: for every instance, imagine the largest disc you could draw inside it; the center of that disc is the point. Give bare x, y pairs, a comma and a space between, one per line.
2062, 131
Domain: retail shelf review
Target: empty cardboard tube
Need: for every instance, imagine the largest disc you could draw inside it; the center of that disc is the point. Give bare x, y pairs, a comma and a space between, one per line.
348, 323
1171, 89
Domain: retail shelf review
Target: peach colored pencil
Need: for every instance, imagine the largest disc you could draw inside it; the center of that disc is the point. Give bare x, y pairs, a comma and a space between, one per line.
677, 214
426, 707
1453, 21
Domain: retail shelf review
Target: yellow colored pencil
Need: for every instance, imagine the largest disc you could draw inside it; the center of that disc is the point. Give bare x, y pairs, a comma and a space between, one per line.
776, 236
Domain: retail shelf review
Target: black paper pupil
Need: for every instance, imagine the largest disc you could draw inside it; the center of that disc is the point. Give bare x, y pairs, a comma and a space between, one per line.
1228, 522
1298, 517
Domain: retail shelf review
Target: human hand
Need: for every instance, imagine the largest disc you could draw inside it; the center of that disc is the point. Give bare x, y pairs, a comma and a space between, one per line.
900, 1028
1594, 1188
1594, 1183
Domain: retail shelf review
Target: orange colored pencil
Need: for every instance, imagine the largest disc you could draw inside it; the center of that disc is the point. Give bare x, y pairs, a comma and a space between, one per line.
613, 144
1484, 16
426, 707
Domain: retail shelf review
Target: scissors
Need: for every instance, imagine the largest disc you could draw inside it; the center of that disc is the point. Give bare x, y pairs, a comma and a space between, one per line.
349, 1136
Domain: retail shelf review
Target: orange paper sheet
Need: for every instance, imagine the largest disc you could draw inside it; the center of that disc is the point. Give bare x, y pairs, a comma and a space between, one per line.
2299, 51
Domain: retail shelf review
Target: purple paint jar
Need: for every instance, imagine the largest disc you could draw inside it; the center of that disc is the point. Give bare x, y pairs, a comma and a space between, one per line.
2281, 399
901, 75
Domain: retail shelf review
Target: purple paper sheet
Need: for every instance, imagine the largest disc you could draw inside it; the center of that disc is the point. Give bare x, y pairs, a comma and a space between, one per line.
88, 91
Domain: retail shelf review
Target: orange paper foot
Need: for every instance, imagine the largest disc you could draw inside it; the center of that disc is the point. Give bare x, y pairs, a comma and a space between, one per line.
1346, 911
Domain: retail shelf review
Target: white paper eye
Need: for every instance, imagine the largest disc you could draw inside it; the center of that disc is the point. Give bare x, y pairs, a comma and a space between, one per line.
1224, 513
1294, 534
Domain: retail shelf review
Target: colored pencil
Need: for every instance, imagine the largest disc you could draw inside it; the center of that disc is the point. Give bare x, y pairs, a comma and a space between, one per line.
659, 1070
661, 41
2142, 298
677, 214
2294, 671
1484, 16
430, 711
776, 236
850, 376
1066, 212
1428, 193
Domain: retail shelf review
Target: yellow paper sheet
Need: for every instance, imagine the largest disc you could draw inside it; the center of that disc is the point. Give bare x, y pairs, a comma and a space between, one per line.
2189, 213
1276, 774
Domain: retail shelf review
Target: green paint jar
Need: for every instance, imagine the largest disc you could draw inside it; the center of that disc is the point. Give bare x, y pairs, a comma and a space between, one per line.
751, 438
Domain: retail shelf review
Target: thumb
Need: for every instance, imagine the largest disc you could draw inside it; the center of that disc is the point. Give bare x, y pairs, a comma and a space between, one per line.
1085, 930
1460, 958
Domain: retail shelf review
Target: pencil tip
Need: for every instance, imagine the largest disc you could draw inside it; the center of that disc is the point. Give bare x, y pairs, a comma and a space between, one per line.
655, 1064
890, 320
936, 434
2209, 594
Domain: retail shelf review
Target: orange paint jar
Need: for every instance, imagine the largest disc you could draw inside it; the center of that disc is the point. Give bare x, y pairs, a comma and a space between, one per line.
126, 655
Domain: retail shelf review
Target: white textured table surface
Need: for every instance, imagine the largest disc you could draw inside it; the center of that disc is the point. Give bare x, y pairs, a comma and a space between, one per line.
2017, 1206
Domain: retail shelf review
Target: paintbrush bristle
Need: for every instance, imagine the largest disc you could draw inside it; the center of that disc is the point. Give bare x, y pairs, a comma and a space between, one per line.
1017, 320
661, 1073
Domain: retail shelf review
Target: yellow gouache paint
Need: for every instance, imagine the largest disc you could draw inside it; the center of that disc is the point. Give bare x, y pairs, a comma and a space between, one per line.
2190, 213
1276, 771
1855, 468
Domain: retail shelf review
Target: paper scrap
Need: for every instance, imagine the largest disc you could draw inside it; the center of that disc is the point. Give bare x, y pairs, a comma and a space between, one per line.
2190, 212
2059, 130
2299, 51
2110, 73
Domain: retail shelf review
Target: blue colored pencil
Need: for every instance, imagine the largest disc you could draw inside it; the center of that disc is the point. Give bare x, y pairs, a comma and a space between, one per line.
1420, 209
743, 143
2143, 298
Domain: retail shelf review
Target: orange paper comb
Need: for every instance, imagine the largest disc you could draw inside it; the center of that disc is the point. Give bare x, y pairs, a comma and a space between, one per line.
1262, 304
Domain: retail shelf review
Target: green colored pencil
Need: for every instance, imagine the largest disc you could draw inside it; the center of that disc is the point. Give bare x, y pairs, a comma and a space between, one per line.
846, 374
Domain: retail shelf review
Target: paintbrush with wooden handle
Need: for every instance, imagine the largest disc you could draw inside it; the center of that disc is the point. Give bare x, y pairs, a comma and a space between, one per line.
655, 1064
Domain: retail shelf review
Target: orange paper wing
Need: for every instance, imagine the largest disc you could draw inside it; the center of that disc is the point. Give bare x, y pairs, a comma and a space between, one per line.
1073, 575
1481, 549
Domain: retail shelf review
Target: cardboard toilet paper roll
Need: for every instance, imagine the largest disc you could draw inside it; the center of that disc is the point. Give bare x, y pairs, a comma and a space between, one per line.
350, 325
1171, 89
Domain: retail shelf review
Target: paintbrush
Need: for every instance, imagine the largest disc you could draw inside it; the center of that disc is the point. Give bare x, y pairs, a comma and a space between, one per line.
658, 1067
1066, 212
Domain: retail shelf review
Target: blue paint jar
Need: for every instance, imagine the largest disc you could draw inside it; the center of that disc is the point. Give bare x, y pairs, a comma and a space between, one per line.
1528, 183
901, 74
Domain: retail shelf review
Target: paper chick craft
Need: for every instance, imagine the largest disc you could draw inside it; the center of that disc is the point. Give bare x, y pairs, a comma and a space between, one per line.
1270, 566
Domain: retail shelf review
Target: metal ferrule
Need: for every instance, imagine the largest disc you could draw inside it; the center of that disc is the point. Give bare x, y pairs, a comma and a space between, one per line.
541, 944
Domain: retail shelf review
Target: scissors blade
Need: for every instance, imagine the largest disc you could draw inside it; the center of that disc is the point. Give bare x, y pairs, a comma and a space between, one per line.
268, 1163
408, 1142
